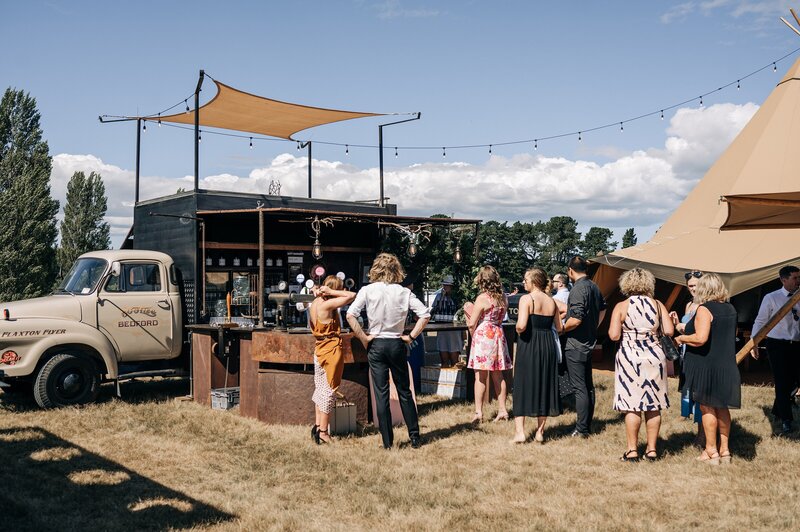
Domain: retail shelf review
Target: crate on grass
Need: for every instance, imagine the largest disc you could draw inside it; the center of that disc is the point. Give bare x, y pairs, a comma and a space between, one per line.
224, 398
446, 382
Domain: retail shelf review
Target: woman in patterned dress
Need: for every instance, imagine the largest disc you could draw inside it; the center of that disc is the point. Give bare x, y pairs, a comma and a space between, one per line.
640, 369
489, 350
328, 360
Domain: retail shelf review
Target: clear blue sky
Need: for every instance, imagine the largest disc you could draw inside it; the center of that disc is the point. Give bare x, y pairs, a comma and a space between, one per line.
480, 73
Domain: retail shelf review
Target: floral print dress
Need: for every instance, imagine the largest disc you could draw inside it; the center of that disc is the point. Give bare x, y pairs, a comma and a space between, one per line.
489, 350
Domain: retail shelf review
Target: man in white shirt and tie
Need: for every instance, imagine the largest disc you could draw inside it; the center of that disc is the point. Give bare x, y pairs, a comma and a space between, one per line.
783, 344
387, 304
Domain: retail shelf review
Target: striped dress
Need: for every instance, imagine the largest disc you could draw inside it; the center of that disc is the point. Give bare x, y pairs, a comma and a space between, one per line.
640, 369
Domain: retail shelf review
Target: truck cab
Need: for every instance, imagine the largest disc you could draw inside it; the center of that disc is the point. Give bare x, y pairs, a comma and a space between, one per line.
114, 308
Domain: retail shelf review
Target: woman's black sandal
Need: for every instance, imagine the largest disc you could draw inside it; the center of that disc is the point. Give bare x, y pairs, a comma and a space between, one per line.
651, 455
626, 457
320, 441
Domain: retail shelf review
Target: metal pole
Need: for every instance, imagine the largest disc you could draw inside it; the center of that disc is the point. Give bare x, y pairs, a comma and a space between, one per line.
381, 202
138, 156
197, 131
309, 169
260, 268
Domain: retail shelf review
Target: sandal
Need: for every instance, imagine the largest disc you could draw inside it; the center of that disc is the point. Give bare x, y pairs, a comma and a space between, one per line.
320, 440
626, 457
501, 417
539, 437
725, 458
477, 418
651, 455
314, 430
712, 459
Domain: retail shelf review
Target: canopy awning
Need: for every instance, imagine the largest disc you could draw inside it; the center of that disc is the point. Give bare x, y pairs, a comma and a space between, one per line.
241, 111
763, 211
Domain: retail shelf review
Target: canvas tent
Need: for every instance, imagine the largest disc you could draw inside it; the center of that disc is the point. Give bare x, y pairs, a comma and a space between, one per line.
763, 159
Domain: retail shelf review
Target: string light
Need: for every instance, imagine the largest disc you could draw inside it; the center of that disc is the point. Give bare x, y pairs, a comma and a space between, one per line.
144, 126
159, 119
579, 137
395, 152
620, 127
701, 101
738, 85
662, 114
200, 135
444, 154
186, 102
490, 149
535, 144
298, 145
774, 67
457, 254
346, 149
251, 143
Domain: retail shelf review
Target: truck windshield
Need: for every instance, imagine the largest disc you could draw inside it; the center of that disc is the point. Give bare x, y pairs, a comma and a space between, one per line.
83, 276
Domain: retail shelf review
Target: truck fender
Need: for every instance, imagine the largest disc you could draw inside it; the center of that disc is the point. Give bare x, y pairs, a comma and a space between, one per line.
89, 340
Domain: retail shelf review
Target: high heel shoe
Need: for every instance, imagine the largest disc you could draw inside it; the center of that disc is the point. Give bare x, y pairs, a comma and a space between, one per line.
320, 440
314, 430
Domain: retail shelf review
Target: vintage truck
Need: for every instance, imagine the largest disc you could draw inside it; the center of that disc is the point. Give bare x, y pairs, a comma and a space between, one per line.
116, 315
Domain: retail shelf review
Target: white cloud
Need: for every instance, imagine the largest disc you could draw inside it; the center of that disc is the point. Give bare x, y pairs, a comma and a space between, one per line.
760, 12
638, 189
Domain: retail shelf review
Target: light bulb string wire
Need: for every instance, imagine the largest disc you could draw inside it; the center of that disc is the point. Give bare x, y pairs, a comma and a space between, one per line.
535, 140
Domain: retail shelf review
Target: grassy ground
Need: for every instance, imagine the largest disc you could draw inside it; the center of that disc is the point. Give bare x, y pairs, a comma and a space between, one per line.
149, 461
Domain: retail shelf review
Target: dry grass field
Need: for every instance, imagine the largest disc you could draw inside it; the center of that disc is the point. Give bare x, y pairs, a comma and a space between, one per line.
151, 462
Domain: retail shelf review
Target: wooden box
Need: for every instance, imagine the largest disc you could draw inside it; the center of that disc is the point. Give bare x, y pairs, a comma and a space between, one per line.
445, 382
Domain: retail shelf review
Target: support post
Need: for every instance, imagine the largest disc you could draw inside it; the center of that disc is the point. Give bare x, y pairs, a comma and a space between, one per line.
197, 131
309, 168
138, 156
381, 201
260, 268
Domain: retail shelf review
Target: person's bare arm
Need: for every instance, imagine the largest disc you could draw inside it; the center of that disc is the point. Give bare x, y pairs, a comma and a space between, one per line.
416, 331
617, 316
523, 314
571, 323
666, 323
358, 332
477, 311
702, 327
336, 298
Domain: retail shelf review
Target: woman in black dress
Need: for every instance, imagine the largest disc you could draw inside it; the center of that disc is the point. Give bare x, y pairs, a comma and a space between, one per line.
536, 365
712, 376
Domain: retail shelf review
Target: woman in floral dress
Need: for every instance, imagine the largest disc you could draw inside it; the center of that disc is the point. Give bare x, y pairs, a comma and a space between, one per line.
489, 350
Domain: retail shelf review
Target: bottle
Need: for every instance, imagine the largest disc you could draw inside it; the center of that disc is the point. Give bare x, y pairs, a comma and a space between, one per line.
222, 261
249, 261
209, 261
236, 261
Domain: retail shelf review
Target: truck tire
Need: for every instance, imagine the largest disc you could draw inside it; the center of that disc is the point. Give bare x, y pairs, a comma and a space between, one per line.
66, 379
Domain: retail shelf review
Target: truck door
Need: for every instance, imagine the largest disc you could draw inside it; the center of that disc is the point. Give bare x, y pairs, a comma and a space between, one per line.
136, 311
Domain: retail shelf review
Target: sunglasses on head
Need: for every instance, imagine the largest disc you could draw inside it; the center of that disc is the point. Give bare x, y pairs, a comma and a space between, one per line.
689, 275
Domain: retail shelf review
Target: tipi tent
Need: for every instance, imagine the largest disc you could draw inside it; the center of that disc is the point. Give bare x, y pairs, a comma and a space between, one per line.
763, 159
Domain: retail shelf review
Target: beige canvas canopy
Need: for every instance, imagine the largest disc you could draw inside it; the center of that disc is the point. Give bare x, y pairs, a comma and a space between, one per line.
764, 159
240, 111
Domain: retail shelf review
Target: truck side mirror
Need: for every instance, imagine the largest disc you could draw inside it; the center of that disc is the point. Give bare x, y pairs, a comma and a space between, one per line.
115, 269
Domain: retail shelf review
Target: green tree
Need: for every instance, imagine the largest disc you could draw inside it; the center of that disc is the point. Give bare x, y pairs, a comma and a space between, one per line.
83, 228
28, 232
629, 238
560, 242
596, 241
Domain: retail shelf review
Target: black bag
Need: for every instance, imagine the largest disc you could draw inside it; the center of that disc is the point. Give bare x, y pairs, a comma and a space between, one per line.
671, 351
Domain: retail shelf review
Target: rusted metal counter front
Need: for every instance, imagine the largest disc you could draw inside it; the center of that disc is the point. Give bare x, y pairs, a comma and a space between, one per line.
274, 371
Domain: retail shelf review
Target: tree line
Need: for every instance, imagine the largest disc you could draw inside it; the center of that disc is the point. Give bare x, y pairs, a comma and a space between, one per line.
31, 257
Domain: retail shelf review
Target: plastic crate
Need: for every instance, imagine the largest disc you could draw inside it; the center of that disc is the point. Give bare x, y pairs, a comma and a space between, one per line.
224, 398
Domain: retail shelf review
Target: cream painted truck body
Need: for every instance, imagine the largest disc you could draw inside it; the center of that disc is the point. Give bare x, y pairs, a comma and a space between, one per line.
124, 307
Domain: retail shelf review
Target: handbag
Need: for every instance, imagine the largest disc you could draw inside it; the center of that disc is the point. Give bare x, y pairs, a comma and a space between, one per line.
671, 350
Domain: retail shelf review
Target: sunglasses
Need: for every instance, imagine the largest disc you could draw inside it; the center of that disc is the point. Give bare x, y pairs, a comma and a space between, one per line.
795, 316
689, 275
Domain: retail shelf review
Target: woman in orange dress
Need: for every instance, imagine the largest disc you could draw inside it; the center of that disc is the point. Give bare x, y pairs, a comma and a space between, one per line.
328, 359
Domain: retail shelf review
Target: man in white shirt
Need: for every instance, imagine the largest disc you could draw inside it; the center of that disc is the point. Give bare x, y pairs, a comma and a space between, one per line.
387, 304
783, 344
561, 293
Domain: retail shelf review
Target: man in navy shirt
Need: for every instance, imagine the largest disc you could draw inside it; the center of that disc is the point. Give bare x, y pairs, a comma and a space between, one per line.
585, 310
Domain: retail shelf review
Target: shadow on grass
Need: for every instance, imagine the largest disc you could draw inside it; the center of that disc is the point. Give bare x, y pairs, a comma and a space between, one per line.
443, 433
424, 409
742, 442
51, 483
133, 392
775, 425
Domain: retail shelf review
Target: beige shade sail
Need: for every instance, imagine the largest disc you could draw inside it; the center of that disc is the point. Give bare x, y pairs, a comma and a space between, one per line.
763, 211
240, 111
763, 160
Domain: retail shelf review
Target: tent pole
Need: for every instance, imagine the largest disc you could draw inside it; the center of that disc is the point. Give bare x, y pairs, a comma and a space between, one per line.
754, 341
138, 155
197, 131
309, 169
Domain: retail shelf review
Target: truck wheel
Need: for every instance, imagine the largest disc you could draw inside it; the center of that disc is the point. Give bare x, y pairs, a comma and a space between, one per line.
66, 380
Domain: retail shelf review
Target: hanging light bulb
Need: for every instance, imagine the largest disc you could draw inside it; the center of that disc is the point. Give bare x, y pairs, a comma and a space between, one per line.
457, 254
186, 104
662, 114
620, 127
346, 149
579, 137
200, 136
144, 126
774, 67
395, 152
444, 154
490, 149
316, 249
701, 101
412, 249
251, 143
535, 144
159, 119
738, 84
298, 145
